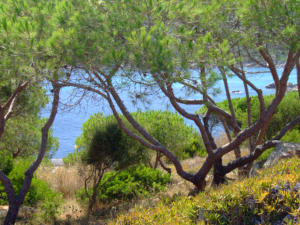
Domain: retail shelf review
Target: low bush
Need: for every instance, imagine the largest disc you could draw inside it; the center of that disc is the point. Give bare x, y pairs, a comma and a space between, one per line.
265, 155
127, 184
73, 158
39, 195
167, 127
286, 111
171, 130
272, 197
292, 136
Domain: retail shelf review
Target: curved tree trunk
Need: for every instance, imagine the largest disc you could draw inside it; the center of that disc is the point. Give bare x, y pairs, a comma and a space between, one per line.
218, 174
16, 200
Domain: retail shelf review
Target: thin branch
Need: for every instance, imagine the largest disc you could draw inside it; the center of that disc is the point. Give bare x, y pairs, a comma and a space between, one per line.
288, 127
272, 67
251, 157
10, 109
228, 95
189, 102
170, 94
82, 86
12, 98
255, 60
239, 74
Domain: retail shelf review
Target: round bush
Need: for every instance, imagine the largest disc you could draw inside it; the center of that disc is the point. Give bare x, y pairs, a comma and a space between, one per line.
128, 184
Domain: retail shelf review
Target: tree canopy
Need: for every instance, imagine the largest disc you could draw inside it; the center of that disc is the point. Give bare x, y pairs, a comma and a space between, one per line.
169, 46
160, 47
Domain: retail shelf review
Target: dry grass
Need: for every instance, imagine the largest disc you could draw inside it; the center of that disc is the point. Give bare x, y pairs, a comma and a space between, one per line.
68, 181
65, 180
222, 140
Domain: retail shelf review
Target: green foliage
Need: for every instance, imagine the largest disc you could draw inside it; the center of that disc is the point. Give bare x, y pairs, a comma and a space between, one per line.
167, 127
6, 163
195, 148
110, 146
73, 158
171, 130
39, 193
23, 134
265, 198
128, 184
292, 136
265, 155
287, 110
22, 57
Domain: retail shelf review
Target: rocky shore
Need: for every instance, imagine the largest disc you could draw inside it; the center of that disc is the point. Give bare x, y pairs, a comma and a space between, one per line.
290, 86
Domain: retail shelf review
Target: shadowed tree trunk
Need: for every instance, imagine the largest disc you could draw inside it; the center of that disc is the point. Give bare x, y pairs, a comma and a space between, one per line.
15, 200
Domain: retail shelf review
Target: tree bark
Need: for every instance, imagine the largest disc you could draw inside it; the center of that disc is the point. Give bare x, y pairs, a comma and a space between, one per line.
2, 124
13, 211
298, 75
15, 201
218, 174
168, 170
156, 160
97, 179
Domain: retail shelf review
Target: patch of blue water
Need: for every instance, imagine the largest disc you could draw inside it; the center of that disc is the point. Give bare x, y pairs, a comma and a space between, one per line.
68, 123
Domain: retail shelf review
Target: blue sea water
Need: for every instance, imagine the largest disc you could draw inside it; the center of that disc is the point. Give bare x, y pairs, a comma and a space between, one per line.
69, 120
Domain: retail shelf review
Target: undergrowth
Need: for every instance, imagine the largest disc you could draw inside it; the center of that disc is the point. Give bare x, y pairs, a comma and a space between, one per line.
270, 197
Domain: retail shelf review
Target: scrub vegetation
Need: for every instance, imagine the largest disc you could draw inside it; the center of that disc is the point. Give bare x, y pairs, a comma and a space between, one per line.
115, 51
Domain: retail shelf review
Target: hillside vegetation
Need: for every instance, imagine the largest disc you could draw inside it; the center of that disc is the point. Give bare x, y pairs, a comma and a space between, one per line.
270, 197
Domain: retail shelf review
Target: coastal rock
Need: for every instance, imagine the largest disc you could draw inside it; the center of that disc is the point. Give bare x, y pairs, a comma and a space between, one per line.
282, 150
270, 86
290, 86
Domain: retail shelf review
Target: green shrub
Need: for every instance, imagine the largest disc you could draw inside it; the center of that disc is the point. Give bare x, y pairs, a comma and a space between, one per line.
286, 111
167, 127
194, 148
292, 136
73, 158
6, 162
127, 184
265, 155
112, 148
39, 193
263, 199
171, 130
